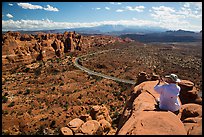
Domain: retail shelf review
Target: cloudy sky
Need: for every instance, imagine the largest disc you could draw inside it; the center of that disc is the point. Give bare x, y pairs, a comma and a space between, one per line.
60, 15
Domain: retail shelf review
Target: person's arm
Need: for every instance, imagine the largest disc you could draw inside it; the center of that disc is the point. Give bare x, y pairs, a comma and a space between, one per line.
158, 82
158, 88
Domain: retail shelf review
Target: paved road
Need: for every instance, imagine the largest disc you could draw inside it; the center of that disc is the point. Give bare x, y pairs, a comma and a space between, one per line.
76, 63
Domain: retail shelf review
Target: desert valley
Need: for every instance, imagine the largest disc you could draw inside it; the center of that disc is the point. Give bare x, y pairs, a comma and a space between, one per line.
45, 93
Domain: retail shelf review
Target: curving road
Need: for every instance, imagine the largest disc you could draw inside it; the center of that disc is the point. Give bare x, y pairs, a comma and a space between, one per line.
76, 63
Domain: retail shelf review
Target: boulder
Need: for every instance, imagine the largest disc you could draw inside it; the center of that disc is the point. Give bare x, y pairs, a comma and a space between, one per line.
153, 123
186, 85
193, 125
196, 129
66, 131
154, 77
198, 100
100, 112
189, 93
75, 124
112, 132
48, 131
85, 117
91, 127
106, 126
190, 110
142, 76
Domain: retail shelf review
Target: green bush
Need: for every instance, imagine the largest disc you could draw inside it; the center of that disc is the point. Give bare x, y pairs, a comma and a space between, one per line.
4, 99
52, 123
11, 104
26, 70
27, 92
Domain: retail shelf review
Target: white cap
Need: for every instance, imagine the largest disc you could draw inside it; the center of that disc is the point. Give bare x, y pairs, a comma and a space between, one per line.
174, 77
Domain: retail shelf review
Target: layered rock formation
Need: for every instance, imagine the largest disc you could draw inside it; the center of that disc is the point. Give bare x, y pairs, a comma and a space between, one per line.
141, 115
26, 48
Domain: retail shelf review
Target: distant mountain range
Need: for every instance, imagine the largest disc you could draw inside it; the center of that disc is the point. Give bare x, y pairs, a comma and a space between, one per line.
167, 36
118, 29
139, 33
106, 29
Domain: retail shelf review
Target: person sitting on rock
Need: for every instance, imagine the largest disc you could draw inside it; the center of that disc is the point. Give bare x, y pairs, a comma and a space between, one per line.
169, 92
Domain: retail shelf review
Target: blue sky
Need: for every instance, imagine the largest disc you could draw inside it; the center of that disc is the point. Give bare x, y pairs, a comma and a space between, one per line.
60, 15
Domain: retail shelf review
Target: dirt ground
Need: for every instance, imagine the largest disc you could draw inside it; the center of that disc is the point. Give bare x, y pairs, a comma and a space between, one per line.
47, 95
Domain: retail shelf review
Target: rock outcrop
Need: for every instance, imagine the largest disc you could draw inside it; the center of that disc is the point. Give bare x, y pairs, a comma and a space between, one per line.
42, 46
188, 93
142, 116
191, 115
142, 76
98, 122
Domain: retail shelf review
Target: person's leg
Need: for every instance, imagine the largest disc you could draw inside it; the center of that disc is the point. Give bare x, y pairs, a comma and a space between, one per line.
157, 105
176, 112
157, 100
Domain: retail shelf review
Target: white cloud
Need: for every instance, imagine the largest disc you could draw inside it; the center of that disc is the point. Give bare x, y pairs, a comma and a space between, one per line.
98, 8
166, 15
50, 8
191, 9
175, 19
10, 4
9, 15
119, 10
187, 12
129, 8
196, 5
107, 8
115, 3
49, 24
163, 9
186, 5
137, 8
31, 6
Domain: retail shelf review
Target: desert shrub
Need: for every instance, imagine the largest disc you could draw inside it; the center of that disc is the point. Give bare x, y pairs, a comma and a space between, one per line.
27, 92
4, 99
4, 112
11, 104
66, 106
55, 71
29, 111
26, 70
116, 118
40, 130
75, 90
123, 86
41, 107
59, 60
37, 72
52, 123
80, 96
113, 108
20, 113
117, 93
6, 94
61, 84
